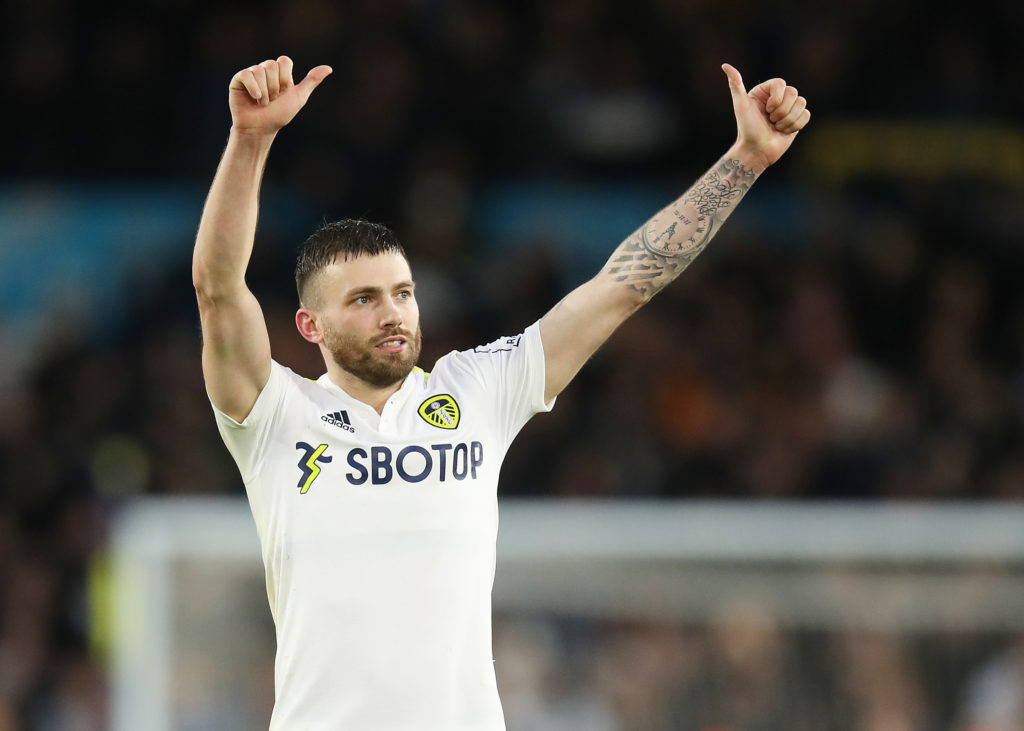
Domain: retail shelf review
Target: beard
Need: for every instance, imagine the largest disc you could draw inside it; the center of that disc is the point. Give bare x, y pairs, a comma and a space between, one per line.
369, 364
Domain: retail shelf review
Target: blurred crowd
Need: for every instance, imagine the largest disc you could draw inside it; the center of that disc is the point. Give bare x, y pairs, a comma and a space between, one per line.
746, 672
855, 340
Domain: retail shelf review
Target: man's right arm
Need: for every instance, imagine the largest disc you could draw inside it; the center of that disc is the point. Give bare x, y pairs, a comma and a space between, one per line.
236, 347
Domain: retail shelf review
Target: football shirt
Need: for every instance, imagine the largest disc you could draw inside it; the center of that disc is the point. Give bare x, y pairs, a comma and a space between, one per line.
378, 537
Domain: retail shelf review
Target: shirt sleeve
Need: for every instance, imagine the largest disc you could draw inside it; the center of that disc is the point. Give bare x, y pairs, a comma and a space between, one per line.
511, 370
247, 440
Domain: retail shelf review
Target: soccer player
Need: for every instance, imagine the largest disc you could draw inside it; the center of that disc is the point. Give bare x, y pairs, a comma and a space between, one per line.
374, 487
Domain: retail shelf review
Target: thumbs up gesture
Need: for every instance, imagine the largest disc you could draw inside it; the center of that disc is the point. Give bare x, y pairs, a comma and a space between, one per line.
768, 117
263, 98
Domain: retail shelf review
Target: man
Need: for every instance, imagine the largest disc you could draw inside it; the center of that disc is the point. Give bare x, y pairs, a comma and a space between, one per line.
374, 488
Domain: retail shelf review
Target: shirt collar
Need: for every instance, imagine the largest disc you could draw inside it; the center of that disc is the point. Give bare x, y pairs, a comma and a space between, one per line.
416, 376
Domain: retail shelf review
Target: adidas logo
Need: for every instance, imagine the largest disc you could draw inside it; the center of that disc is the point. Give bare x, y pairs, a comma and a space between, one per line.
339, 419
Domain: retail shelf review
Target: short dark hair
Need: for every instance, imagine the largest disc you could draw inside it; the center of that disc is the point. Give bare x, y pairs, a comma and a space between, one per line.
347, 238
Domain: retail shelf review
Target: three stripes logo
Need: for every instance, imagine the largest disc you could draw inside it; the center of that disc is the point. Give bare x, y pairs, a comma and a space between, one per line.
309, 463
339, 419
440, 411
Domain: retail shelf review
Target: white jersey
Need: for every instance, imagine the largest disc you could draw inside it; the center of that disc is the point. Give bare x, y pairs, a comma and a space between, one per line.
378, 537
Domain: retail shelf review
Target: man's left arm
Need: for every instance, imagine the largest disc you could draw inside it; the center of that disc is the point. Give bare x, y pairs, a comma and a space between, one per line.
768, 118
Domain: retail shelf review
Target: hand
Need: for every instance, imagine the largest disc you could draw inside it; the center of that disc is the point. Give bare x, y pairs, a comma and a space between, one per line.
769, 117
263, 98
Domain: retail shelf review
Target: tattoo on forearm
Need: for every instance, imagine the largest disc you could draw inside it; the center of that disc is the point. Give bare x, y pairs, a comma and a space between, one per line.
666, 244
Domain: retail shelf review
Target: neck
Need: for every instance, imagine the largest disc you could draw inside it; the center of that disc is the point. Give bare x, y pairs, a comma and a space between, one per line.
357, 388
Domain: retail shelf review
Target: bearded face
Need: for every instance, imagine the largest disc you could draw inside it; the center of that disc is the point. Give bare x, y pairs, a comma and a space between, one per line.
380, 361
365, 319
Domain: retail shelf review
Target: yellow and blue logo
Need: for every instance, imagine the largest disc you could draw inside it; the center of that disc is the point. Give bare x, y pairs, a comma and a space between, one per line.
308, 463
440, 411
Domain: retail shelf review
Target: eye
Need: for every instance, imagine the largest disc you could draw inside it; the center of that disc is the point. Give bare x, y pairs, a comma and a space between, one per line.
362, 299
405, 294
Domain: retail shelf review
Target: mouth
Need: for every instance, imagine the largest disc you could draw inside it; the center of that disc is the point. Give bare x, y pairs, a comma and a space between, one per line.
393, 344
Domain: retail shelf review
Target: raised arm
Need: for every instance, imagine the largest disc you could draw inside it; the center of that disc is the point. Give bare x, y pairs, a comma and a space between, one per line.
768, 118
236, 348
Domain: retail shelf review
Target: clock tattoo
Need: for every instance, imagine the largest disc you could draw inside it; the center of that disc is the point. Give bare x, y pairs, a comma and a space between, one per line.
667, 244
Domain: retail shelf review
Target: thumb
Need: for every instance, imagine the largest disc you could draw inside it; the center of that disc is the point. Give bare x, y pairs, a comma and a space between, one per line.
735, 81
313, 79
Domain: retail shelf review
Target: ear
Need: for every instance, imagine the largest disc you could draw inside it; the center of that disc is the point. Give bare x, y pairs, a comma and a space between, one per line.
309, 327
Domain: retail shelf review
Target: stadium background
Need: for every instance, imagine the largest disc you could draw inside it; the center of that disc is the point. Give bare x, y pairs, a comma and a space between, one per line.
856, 332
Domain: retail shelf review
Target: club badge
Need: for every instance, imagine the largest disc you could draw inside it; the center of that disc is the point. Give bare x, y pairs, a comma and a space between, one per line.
440, 411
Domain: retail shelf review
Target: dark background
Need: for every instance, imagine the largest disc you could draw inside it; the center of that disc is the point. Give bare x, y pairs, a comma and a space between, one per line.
855, 332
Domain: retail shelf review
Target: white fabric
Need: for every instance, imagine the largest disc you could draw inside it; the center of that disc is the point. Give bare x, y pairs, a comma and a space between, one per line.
379, 576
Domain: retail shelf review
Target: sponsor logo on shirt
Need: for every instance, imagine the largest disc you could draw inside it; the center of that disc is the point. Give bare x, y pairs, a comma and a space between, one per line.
339, 419
440, 411
310, 461
414, 463
380, 465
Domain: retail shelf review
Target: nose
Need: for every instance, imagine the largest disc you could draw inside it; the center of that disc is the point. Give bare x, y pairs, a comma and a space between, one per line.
390, 315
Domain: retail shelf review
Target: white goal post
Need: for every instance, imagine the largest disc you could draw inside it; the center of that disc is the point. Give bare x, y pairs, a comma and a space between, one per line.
191, 624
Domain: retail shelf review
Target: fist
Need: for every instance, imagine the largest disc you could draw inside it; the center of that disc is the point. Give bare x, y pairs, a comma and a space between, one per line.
768, 117
264, 98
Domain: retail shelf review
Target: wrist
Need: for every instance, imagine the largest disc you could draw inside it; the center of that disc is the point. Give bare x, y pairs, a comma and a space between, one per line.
252, 137
749, 157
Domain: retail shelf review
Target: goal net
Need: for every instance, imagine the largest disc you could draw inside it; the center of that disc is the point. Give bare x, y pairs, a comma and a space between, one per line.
623, 616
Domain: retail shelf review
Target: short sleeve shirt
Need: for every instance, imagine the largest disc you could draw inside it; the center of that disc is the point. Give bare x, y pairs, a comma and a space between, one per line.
378, 537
